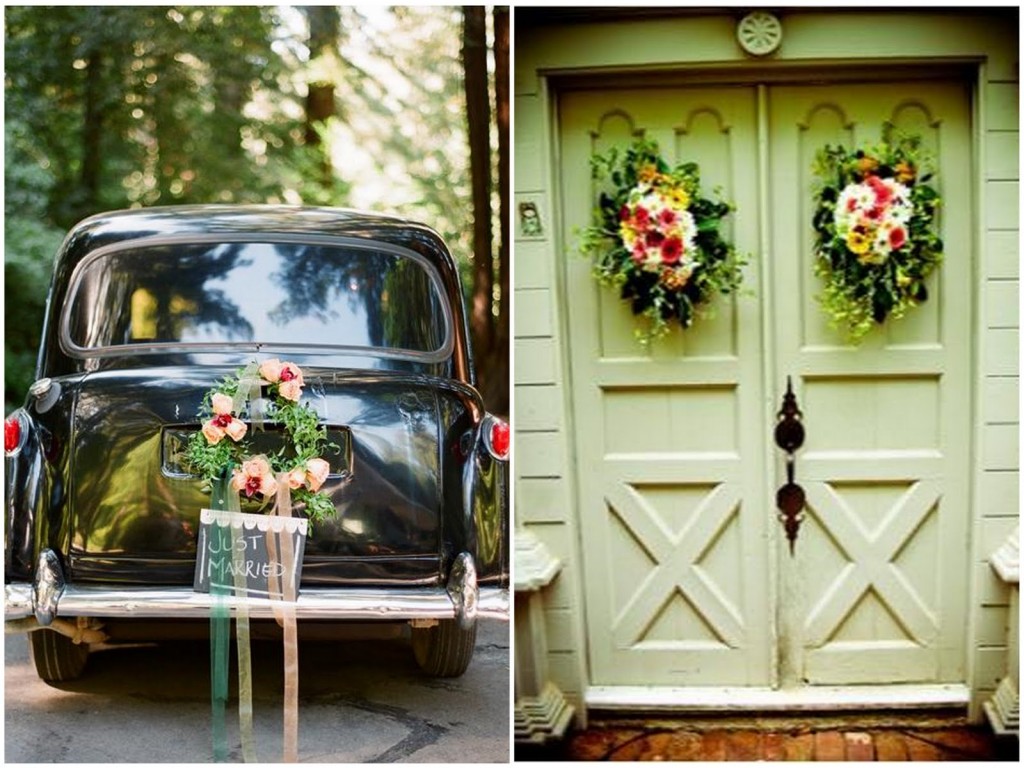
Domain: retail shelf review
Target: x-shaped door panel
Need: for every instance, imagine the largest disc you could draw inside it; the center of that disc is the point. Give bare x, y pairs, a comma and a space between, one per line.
871, 566
676, 557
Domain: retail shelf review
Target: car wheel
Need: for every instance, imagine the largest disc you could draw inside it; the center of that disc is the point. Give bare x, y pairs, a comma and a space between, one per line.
445, 649
57, 659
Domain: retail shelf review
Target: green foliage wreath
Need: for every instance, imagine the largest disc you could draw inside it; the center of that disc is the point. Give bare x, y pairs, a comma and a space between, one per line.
220, 449
656, 239
875, 232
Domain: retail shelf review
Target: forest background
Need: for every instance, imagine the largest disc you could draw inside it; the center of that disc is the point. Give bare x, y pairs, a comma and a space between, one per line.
396, 110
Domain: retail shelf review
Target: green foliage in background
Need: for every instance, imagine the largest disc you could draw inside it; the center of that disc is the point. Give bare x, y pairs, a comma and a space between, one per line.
112, 107
30, 243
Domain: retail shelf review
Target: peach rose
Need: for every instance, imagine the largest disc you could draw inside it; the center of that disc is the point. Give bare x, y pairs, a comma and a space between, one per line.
221, 404
271, 370
268, 485
316, 473
213, 433
287, 376
296, 478
290, 390
236, 429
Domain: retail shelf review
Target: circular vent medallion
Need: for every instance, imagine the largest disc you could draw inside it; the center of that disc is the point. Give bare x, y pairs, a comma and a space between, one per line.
759, 33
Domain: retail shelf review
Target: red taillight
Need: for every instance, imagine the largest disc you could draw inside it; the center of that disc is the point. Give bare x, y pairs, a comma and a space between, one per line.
500, 438
12, 434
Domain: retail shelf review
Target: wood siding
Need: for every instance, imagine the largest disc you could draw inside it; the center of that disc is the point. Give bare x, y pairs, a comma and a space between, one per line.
998, 462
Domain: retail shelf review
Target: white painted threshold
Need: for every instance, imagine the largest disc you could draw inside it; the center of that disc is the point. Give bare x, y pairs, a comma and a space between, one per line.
811, 698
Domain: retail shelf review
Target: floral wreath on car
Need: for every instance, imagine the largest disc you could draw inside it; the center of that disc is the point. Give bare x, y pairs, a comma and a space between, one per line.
657, 239
875, 231
219, 450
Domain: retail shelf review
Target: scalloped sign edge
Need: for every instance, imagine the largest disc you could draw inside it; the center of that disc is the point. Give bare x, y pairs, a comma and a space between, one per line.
249, 534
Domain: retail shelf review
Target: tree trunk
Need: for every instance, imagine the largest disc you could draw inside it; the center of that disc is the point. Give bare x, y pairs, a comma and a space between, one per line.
92, 134
324, 34
500, 369
478, 116
231, 96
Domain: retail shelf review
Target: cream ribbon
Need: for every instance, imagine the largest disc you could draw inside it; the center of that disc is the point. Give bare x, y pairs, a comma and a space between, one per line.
283, 595
249, 383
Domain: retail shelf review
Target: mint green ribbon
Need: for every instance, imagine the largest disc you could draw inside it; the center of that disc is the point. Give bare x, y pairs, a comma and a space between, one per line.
244, 648
220, 626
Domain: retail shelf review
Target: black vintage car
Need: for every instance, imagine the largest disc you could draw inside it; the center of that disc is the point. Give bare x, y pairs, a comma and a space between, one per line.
148, 309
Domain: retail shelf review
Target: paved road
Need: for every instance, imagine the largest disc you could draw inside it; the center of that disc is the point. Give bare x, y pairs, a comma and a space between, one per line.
360, 701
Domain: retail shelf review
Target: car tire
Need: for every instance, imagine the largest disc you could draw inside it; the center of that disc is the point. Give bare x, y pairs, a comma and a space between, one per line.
57, 659
445, 649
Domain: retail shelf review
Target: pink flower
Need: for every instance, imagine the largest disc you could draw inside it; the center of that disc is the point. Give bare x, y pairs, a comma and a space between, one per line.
221, 403
268, 485
883, 193
316, 473
654, 239
255, 476
224, 424
667, 217
290, 372
671, 250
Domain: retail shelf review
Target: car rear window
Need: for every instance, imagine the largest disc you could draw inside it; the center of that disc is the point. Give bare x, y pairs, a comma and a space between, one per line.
128, 299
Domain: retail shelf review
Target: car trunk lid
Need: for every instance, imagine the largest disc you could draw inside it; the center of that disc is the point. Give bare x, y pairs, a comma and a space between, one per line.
135, 507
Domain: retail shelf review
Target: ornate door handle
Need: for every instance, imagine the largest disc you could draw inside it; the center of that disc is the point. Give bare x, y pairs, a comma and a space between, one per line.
789, 436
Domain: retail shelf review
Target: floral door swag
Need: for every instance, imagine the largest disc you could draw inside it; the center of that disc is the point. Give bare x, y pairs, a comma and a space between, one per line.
875, 231
657, 239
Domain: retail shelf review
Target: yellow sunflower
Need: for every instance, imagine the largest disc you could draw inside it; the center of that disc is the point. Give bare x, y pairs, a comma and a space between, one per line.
858, 242
679, 197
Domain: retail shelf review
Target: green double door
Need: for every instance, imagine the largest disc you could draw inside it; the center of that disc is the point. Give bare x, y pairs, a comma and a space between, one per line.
688, 579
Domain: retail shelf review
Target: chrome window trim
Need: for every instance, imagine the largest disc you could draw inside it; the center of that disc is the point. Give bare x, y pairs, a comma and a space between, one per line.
72, 349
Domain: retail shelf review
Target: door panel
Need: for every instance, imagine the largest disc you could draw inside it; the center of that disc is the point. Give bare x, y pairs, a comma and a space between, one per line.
876, 591
670, 445
688, 577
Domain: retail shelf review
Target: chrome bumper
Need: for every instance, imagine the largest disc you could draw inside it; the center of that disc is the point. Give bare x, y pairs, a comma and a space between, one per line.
362, 603
50, 596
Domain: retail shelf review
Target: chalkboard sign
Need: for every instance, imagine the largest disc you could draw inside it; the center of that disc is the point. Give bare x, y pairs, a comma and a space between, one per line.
236, 543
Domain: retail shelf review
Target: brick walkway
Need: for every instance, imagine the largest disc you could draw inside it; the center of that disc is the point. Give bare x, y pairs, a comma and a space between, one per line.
941, 744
